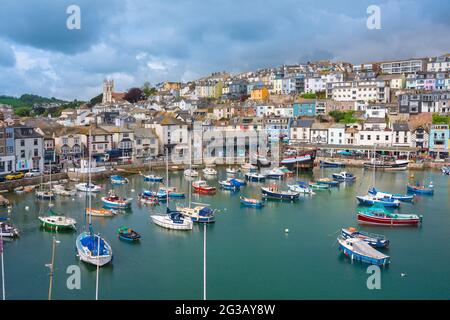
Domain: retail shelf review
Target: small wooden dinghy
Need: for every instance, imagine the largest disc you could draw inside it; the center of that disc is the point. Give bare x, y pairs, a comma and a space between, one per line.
100, 212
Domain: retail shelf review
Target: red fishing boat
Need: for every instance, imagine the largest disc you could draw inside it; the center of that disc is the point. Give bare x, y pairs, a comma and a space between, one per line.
380, 217
201, 186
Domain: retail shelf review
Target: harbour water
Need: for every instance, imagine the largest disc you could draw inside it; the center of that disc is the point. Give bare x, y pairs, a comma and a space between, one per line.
249, 255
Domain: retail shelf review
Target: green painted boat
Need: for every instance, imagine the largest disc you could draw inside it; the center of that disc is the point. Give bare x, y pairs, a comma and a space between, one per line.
57, 222
319, 186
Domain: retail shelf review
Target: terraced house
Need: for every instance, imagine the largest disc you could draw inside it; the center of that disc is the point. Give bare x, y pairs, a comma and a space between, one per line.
28, 148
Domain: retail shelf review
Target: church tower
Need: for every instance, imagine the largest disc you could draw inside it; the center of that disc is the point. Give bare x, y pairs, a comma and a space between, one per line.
108, 89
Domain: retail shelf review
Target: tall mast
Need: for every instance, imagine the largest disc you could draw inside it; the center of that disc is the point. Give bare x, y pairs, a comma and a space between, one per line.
190, 170
374, 158
3, 268
204, 261
52, 267
89, 177
98, 266
167, 177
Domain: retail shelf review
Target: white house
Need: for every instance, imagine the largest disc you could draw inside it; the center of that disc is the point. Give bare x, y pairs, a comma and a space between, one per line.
28, 148
375, 111
336, 134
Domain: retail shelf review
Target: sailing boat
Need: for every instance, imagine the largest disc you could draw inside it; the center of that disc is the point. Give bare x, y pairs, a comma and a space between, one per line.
54, 220
201, 213
151, 177
173, 219
91, 247
46, 194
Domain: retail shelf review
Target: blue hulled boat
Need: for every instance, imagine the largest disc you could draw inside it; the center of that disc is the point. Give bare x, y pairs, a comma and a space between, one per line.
249, 202
229, 184
254, 176
446, 170
344, 176
401, 197
153, 178
359, 250
420, 189
273, 192
376, 200
375, 240
331, 164
116, 179
328, 182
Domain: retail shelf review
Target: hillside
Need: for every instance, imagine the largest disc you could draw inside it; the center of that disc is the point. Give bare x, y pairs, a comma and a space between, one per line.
29, 104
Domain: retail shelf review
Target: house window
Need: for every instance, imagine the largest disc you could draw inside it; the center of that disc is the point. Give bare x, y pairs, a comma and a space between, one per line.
36, 152
378, 138
22, 143
361, 137
386, 138
22, 154
35, 142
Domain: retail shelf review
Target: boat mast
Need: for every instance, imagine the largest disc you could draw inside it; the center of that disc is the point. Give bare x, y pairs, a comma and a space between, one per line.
374, 167
90, 180
167, 177
204, 261
51, 265
3, 268
190, 171
98, 267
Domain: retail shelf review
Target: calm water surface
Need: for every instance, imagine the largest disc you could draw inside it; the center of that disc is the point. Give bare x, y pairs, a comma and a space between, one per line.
249, 256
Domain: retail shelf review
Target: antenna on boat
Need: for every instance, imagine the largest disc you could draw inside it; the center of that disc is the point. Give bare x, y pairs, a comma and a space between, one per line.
3, 268
51, 266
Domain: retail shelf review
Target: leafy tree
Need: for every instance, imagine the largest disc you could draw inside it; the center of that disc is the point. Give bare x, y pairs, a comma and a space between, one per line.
23, 111
438, 119
97, 99
134, 95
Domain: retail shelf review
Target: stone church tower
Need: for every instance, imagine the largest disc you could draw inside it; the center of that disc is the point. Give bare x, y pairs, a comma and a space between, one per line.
108, 89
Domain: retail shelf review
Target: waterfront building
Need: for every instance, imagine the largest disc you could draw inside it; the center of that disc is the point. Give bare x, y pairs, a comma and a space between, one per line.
122, 141
371, 137
319, 133
6, 160
277, 127
439, 140
420, 136
28, 148
300, 130
336, 134
170, 131
145, 143
401, 135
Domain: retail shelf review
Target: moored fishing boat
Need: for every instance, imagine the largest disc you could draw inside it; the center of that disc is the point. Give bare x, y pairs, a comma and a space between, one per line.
328, 181
420, 189
446, 170
8, 231
248, 167
209, 171
239, 182
254, 176
88, 187
229, 184
274, 173
190, 173
45, 195
200, 186
344, 176
118, 180
330, 164
397, 165
128, 234
303, 160
173, 220
274, 192
401, 197
231, 170
61, 190
359, 250
99, 212
153, 178
249, 202
199, 213
301, 187
172, 191
113, 201
148, 199
382, 217
385, 200
318, 186
374, 240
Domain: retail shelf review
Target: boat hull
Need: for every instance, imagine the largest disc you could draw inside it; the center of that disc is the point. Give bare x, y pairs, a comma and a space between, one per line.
362, 258
279, 195
413, 189
167, 223
330, 164
89, 256
387, 221
370, 202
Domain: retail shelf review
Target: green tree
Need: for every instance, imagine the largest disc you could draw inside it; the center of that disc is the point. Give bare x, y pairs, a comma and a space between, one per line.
440, 119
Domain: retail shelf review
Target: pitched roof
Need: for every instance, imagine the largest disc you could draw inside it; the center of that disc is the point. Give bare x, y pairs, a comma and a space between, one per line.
400, 126
305, 123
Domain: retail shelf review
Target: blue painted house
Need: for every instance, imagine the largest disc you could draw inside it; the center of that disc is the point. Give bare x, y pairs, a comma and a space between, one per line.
304, 108
439, 140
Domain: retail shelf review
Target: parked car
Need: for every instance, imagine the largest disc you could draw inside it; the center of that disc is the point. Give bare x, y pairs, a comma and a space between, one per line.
54, 170
15, 176
33, 173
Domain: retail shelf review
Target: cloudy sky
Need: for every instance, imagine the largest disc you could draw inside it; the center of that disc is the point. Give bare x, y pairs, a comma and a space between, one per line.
133, 41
